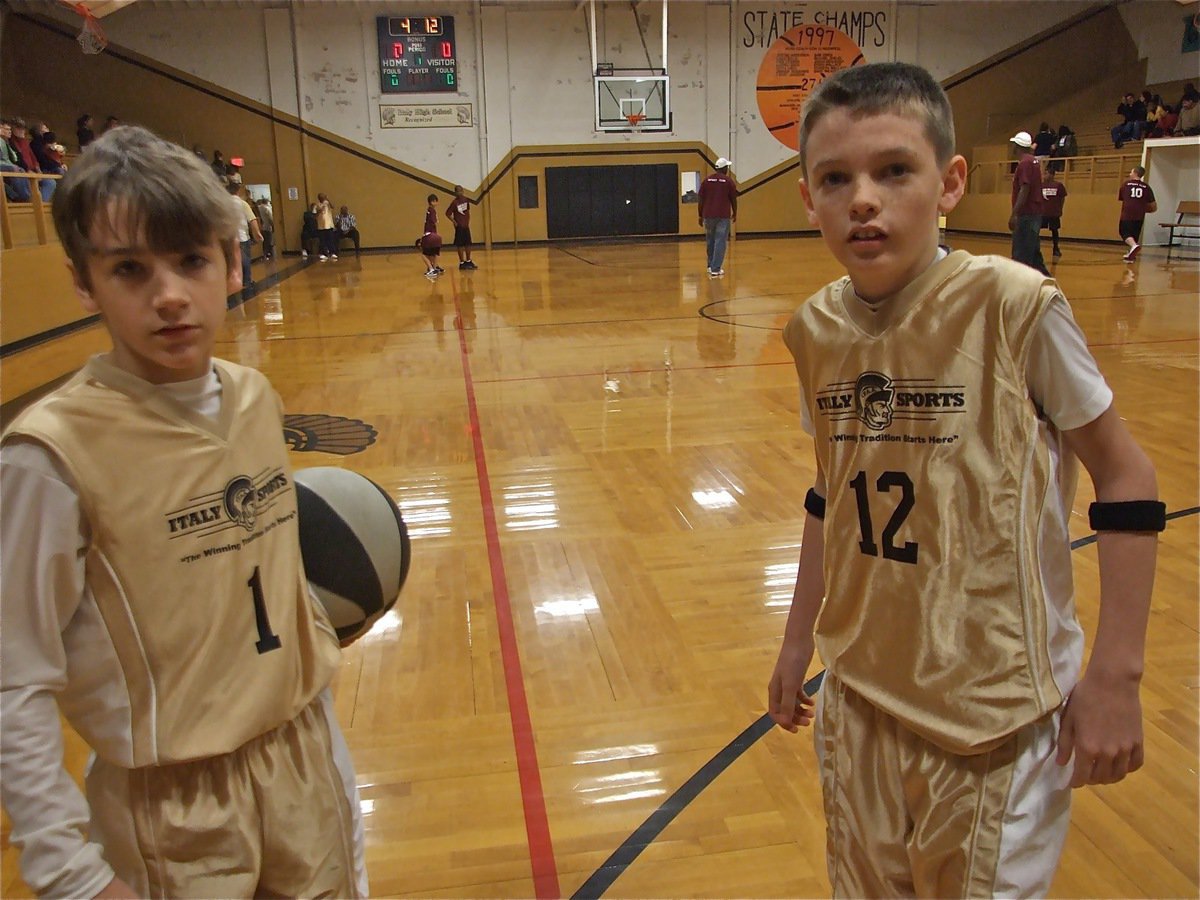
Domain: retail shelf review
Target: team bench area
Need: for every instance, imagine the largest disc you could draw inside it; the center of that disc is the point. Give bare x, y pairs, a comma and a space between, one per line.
1186, 226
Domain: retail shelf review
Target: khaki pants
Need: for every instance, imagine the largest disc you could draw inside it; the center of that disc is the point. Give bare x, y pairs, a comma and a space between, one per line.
278, 817
906, 818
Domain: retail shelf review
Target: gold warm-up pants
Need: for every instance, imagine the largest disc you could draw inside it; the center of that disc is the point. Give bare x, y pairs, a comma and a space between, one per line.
275, 818
906, 818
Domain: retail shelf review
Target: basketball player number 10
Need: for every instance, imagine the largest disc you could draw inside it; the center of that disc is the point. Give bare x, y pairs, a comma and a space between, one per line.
884, 484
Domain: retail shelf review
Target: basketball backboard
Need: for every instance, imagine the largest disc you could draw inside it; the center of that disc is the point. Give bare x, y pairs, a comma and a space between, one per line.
633, 102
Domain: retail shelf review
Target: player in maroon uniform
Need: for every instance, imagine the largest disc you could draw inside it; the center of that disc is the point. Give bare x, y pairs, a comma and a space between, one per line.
459, 212
1053, 195
1137, 199
430, 241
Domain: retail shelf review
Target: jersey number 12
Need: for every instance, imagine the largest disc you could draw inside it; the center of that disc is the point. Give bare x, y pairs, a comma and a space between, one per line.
906, 553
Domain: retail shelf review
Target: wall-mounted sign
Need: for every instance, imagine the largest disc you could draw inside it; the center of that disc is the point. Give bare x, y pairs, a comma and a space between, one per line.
796, 63
426, 115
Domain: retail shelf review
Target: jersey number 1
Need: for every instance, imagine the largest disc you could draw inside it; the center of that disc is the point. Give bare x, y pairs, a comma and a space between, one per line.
267, 640
888, 480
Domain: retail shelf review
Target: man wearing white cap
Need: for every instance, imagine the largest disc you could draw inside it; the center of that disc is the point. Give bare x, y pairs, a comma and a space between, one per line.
718, 207
1025, 222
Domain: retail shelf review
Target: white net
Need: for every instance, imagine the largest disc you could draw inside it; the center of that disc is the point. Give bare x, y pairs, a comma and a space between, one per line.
91, 38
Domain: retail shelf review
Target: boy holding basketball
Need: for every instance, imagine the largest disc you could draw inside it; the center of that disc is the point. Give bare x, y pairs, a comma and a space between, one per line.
947, 396
153, 584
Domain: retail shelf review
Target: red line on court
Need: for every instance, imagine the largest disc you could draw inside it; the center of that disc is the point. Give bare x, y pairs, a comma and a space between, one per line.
537, 826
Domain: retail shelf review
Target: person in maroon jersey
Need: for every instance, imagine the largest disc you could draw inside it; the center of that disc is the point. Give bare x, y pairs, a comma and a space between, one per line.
718, 208
459, 212
1137, 199
1025, 222
1053, 195
430, 241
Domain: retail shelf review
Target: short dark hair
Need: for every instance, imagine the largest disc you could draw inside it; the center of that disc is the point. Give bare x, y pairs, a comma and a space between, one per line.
1141, 171
877, 88
161, 189
431, 198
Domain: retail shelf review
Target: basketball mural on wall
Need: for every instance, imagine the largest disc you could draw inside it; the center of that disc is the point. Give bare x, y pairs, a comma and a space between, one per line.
797, 62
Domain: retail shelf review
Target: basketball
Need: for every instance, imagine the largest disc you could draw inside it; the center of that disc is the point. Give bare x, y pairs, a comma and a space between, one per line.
793, 66
355, 546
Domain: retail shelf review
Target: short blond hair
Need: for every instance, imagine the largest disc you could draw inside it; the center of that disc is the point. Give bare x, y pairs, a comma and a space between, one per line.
164, 191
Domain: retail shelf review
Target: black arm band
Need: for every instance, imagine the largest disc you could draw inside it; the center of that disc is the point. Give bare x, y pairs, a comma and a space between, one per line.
814, 504
1130, 515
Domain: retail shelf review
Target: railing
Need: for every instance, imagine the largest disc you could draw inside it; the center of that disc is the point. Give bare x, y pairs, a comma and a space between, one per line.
1079, 173
36, 205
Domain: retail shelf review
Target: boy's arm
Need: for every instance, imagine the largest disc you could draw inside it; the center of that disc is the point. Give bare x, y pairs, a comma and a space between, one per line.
43, 582
1102, 724
787, 703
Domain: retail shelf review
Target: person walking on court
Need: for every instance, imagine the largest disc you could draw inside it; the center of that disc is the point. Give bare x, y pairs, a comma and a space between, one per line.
1137, 199
948, 397
718, 208
1025, 222
459, 212
1054, 193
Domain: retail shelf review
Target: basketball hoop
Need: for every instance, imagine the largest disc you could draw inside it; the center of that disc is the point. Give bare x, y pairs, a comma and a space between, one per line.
91, 37
635, 121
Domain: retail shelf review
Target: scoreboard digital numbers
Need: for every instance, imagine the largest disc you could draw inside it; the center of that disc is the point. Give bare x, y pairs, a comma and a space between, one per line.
416, 54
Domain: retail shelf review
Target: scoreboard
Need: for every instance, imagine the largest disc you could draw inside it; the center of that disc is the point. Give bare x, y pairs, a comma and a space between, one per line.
416, 54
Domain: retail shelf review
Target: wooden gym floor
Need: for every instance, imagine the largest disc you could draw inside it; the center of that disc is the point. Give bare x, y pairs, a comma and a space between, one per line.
598, 454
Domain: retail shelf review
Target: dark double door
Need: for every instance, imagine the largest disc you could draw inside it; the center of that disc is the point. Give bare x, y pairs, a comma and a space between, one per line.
603, 201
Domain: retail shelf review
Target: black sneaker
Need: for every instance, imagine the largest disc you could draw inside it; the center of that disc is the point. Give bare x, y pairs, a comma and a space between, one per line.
470, 264
438, 270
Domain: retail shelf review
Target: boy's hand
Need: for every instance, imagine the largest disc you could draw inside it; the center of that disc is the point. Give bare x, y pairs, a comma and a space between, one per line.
1102, 726
118, 890
787, 703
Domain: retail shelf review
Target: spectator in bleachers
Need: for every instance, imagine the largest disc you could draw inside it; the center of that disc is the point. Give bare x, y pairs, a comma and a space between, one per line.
1133, 112
20, 142
47, 149
218, 165
1189, 93
1168, 119
17, 190
83, 130
110, 123
1043, 141
1189, 118
1065, 145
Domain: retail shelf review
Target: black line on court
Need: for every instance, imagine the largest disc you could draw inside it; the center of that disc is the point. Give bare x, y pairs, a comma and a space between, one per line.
602, 879
645, 834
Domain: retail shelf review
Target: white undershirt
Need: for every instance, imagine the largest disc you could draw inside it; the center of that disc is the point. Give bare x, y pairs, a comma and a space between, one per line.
43, 542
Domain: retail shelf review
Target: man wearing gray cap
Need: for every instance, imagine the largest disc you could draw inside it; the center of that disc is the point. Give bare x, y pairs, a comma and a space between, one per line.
718, 207
1025, 222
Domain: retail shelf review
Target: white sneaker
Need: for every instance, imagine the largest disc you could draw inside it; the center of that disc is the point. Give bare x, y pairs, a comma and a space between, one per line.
323, 257
1133, 251
304, 254
334, 256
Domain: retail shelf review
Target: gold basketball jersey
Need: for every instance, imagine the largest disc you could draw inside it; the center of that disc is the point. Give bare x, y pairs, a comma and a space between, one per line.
939, 470
194, 563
